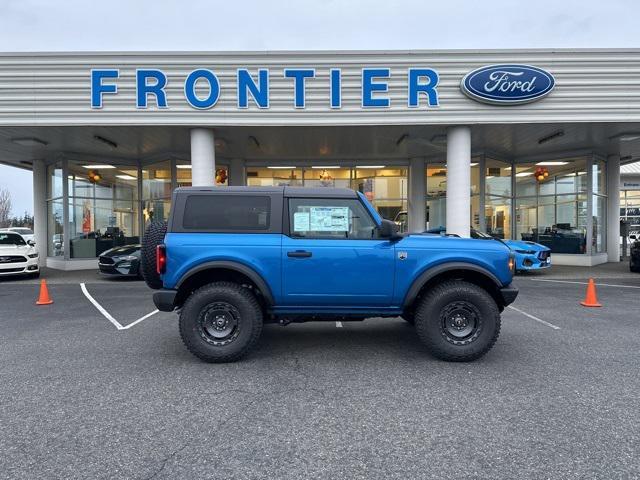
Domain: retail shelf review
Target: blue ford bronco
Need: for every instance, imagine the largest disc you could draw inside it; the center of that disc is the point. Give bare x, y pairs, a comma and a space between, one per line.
231, 259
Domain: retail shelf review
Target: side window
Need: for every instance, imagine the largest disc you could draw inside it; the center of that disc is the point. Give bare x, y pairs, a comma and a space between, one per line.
227, 213
330, 219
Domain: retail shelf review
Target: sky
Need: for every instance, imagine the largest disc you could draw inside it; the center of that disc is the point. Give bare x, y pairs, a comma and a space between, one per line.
71, 25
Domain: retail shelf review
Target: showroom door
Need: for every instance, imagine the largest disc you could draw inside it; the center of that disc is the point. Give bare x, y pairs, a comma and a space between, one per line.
332, 256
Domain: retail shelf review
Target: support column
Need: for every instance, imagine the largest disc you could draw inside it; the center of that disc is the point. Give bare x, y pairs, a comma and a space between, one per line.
40, 209
236, 173
459, 181
417, 196
203, 157
613, 208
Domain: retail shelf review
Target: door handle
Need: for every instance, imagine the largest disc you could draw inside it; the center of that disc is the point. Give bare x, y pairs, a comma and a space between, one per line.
299, 254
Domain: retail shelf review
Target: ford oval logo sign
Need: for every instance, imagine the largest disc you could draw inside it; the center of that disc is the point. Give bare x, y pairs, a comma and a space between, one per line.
507, 84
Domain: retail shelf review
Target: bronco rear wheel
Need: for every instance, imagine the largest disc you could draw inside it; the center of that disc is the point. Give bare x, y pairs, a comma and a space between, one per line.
221, 322
458, 321
153, 236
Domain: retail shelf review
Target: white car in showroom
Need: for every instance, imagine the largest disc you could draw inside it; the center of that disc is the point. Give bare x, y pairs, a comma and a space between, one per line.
17, 255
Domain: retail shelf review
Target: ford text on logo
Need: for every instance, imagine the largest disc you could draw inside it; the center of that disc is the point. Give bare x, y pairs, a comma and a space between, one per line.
507, 84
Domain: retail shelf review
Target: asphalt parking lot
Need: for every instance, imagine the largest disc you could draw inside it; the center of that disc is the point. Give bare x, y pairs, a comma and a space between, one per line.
557, 397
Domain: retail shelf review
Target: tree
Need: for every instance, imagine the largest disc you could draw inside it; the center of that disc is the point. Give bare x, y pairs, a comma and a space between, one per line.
5, 207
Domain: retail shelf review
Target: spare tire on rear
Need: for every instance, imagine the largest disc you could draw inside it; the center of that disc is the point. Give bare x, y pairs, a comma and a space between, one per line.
153, 236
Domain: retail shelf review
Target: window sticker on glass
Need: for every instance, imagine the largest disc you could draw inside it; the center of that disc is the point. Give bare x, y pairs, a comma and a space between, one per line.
329, 219
301, 222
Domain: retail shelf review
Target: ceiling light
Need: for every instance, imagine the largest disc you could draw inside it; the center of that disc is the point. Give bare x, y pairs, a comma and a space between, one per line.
582, 173
281, 168
626, 136
550, 164
490, 176
550, 137
183, 167
439, 139
326, 166
401, 139
524, 174
474, 164
103, 167
370, 166
106, 141
30, 142
126, 177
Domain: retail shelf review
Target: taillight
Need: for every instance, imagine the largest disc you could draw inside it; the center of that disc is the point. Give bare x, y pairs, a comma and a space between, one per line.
161, 259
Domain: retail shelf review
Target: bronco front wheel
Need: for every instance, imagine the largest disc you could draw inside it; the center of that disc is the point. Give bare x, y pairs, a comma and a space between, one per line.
458, 321
221, 322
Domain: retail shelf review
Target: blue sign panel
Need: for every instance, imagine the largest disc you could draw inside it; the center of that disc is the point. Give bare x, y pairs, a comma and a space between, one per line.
507, 84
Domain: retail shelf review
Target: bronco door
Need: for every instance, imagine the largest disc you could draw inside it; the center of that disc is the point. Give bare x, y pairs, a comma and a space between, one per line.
332, 256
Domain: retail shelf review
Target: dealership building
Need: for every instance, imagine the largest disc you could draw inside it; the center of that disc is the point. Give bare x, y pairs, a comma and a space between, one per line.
521, 144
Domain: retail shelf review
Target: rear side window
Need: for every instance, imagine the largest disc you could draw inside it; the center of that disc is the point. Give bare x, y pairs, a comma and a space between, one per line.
227, 213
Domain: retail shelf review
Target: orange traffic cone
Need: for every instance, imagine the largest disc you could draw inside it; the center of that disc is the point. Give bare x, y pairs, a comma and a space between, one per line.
591, 300
44, 298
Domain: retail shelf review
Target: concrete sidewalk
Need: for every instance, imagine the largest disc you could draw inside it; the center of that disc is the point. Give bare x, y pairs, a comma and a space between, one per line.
605, 271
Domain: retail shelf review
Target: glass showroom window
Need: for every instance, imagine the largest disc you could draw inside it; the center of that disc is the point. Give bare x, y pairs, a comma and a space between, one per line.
436, 195
183, 174
630, 210
55, 217
599, 207
497, 200
103, 207
551, 204
275, 176
384, 187
156, 191
475, 193
327, 177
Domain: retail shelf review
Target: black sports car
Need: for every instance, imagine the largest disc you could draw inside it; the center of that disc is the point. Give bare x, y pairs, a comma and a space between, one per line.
634, 261
122, 261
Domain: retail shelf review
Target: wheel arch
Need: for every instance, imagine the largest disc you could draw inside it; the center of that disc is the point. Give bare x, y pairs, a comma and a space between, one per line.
222, 270
454, 270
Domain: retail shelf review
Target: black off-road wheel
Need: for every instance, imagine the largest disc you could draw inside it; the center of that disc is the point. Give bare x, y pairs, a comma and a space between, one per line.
221, 322
153, 236
458, 321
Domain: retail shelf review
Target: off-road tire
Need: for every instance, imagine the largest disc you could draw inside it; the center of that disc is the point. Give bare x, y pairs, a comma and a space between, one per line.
409, 317
437, 311
153, 236
202, 304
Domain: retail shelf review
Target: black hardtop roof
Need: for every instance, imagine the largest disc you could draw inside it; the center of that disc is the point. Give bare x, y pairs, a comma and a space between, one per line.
318, 192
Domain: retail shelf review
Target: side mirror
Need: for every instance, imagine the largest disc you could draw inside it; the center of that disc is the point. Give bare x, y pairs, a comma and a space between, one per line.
389, 229
31, 243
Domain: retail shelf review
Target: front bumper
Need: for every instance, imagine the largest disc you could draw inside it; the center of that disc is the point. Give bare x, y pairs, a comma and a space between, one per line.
20, 268
508, 294
165, 300
532, 262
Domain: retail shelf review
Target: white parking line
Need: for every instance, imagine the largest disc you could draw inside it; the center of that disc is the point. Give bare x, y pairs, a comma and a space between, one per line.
107, 315
338, 324
532, 317
581, 283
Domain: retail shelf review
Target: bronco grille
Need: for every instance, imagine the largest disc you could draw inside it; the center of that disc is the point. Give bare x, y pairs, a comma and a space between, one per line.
12, 259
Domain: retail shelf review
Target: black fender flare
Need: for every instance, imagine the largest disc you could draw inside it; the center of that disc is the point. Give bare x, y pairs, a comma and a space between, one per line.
254, 276
430, 273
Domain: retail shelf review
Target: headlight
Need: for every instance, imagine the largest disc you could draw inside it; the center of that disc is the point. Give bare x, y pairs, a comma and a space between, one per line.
33, 255
128, 258
526, 252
